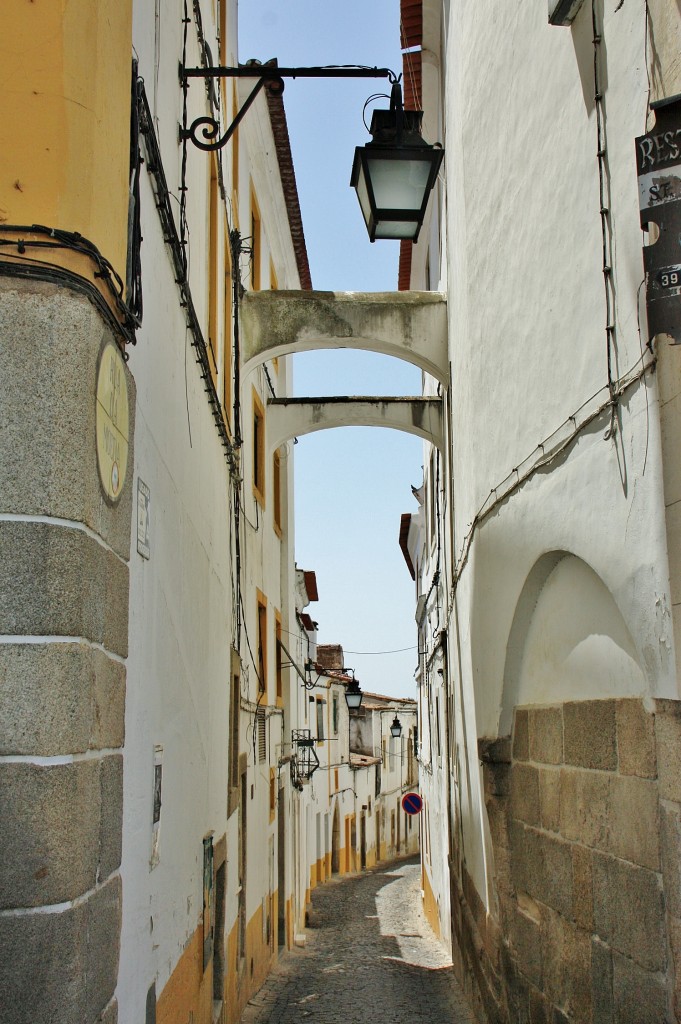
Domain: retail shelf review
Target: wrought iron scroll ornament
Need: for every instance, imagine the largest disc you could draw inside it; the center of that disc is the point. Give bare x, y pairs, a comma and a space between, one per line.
204, 132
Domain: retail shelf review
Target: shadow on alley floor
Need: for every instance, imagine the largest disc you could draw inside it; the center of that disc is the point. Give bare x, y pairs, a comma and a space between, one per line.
370, 955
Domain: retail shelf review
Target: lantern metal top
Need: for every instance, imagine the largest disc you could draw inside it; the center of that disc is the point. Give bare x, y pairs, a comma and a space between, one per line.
353, 695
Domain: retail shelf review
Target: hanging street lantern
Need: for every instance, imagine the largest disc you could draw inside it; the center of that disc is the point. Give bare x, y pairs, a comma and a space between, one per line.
396, 172
353, 695
396, 728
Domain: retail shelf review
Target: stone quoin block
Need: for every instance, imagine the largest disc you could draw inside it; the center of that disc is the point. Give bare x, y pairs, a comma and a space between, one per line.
67, 961
110, 1014
668, 747
582, 887
525, 938
670, 844
633, 820
566, 962
518, 994
102, 946
590, 734
614, 813
602, 1009
521, 735
635, 739
549, 798
60, 698
541, 866
524, 802
540, 1012
629, 911
584, 807
111, 815
59, 581
61, 829
50, 340
639, 996
546, 734
674, 926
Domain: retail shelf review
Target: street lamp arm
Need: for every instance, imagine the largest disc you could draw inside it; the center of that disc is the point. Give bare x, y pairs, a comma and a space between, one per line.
271, 72
204, 131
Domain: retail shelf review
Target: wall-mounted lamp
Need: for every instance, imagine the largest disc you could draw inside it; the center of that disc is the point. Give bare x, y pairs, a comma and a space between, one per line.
396, 728
304, 762
393, 174
353, 695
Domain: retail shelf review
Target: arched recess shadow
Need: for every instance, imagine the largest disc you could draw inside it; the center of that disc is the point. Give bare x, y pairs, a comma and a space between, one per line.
568, 640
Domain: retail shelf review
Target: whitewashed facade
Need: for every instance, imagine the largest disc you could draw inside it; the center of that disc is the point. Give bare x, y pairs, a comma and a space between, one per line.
545, 550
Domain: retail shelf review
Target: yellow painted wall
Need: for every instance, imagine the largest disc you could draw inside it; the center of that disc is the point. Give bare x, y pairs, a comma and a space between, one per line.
65, 126
430, 904
188, 993
243, 980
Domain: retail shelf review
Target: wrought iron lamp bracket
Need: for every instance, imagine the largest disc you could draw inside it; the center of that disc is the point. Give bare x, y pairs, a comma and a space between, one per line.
204, 131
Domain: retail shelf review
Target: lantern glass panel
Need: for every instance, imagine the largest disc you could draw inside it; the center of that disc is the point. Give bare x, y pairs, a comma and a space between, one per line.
407, 229
363, 194
398, 184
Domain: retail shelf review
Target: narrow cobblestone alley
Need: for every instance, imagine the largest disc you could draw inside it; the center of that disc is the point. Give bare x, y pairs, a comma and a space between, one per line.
369, 955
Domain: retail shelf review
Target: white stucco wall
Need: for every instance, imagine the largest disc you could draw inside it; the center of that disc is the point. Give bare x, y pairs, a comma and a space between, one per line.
181, 598
527, 342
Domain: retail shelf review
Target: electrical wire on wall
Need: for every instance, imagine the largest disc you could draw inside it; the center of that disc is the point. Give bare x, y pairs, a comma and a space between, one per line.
543, 455
605, 215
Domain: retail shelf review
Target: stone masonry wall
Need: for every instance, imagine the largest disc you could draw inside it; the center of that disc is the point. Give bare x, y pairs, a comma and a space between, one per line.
64, 554
584, 807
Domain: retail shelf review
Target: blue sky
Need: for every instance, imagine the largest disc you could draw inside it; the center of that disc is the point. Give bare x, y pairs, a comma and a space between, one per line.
352, 484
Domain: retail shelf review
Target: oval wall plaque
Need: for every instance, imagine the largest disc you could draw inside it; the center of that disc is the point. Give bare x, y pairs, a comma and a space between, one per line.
112, 425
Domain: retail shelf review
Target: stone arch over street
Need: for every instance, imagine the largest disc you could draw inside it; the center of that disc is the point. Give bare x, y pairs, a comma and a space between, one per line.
407, 325
294, 417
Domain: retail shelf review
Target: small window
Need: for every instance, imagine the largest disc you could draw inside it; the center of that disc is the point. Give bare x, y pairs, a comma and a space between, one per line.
334, 713
256, 243
258, 449
273, 793
208, 901
234, 712
335, 779
261, 724
278, 658
321, 706
227, 337
276, 492
262, 642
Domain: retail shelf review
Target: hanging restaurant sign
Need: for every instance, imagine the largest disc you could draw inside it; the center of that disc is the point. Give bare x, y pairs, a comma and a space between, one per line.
658, 162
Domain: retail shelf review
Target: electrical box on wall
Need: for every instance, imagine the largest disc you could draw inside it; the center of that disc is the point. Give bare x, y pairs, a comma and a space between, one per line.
563, 12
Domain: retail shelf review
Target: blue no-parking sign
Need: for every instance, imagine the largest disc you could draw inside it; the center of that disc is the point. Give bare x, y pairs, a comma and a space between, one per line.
412, 803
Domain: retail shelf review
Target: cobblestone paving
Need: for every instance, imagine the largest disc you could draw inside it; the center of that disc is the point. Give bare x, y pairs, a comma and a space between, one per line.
369, 956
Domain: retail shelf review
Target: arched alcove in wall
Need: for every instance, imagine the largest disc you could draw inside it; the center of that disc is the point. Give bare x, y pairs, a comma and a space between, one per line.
568, 640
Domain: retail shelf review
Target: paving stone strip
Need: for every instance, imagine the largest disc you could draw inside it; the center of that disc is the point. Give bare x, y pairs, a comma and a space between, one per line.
369, 955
